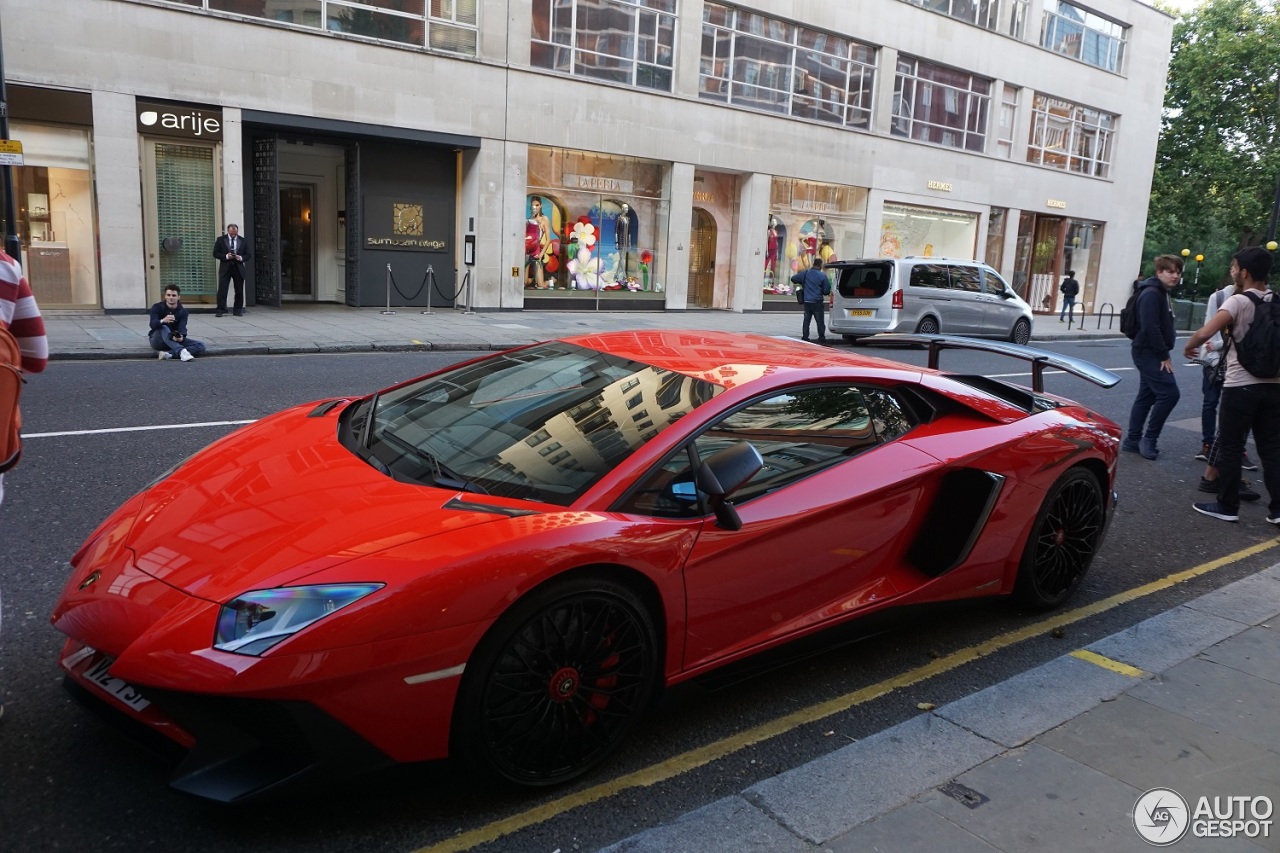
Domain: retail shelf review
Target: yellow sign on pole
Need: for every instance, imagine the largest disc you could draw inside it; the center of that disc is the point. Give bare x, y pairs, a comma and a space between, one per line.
10, 152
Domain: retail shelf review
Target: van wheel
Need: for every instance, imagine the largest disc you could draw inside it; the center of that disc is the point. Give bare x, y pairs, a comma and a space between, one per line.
1021, 332
927, 326
850, 339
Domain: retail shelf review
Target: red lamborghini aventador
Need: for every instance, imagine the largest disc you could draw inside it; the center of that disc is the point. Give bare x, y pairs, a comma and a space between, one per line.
504, 561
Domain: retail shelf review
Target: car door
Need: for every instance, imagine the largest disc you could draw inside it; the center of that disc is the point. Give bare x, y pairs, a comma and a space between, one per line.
968, 303
1002, 311
822, 521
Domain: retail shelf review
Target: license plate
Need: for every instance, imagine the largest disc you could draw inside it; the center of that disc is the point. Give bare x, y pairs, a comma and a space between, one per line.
121, 691
861, 312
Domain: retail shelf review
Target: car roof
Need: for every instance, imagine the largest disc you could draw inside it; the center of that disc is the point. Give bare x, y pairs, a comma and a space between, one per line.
730, 359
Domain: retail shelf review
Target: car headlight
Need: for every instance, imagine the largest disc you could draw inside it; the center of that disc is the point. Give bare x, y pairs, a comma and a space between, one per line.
256, 621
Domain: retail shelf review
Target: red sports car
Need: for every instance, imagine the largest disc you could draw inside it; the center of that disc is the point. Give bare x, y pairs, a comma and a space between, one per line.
506, 560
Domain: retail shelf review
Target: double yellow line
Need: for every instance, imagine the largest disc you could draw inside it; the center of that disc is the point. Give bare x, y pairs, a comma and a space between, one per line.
687, 761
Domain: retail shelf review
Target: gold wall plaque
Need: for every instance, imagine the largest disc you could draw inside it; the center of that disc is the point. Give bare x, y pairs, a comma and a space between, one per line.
406, 219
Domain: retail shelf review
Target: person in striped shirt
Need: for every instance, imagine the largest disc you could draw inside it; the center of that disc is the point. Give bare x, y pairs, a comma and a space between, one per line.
21, 316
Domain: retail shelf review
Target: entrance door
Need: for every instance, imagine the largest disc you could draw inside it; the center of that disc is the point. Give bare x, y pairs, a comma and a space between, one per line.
181, 202
297, 241
702, 259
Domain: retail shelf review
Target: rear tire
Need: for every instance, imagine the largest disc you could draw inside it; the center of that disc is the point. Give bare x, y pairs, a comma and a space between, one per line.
1021, 334
557, 683
1063, 541
927, 326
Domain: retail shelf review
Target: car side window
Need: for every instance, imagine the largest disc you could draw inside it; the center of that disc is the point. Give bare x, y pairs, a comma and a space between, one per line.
930, 275
993, 283
798, 433
966, 279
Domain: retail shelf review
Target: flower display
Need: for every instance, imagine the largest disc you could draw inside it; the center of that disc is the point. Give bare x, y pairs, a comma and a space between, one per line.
584, 233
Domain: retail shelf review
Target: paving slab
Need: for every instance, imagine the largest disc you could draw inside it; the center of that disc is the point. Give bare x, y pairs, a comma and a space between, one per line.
1014, 711
1220, 698
1252, 600
731, 825
914, 828
1256, 651
831, 795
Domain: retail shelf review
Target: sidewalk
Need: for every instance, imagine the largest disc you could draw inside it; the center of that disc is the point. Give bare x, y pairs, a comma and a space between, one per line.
1054, 759
309, 328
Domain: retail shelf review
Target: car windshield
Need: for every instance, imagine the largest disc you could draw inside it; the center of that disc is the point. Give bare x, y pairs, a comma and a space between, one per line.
543, 423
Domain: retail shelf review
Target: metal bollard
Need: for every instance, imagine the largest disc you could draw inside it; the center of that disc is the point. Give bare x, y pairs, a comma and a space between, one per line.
431, 285
388, 311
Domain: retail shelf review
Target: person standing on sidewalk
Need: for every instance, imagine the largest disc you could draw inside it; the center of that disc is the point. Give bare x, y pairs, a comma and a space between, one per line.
21, 316
1248, 402
1070, 289
232, 251
816, 288
1151, 351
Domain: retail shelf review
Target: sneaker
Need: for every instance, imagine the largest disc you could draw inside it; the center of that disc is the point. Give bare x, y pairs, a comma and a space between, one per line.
1271, 519
1205, 447
163, 355
1246, 493
219, 313
1216, 510
1130, 446
1147, 448
1248, 464
187, 356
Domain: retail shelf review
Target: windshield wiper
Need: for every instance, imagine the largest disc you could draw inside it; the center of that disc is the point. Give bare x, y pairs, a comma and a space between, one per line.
441, 475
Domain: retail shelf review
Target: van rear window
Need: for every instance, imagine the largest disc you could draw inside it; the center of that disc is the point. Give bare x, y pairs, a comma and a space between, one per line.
865, 281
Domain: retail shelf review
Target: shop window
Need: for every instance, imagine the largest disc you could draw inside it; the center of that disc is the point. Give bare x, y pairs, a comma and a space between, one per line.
763, 63
809, 220
631, 42
997, 222
926, 232
54, 199
958, 119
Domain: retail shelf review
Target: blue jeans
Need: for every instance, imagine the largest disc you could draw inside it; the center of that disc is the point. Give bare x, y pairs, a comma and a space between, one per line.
1068, 307
162, 341
1209, 408
1157, 395
814, 310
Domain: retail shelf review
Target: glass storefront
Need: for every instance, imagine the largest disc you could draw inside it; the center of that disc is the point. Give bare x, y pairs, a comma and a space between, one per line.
56, 214
997, 222
810, 220
595, 225
1049, 246
927, 232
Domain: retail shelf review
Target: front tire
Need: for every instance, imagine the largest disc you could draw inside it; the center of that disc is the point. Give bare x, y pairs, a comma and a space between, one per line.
557, 684
1021, 334
1062, 544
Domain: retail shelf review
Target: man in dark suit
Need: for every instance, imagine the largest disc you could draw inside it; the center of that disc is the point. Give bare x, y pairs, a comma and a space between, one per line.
232, 251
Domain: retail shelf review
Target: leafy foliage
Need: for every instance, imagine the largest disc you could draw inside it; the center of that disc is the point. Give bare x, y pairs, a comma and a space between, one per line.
1217, 162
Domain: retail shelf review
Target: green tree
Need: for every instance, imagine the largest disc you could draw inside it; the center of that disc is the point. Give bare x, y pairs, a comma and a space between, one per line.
1217, 161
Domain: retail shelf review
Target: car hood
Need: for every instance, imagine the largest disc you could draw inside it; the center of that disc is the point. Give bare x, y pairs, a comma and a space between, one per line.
279, 500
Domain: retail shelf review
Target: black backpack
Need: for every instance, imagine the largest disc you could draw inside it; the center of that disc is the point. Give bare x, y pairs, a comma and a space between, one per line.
1259, 350
1129, 316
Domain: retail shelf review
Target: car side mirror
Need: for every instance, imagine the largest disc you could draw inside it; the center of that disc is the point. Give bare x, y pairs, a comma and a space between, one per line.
723, 473
1007, 294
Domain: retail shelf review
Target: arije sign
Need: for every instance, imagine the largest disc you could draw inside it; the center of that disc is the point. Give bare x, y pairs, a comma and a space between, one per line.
184, 122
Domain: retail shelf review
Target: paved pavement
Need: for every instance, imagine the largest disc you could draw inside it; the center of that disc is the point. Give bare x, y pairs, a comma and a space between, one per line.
337, 328
1053, 759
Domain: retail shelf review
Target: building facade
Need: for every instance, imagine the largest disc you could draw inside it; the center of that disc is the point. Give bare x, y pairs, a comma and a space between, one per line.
576, 154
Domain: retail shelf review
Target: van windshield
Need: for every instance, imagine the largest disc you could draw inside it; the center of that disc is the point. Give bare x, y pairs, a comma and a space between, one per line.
865, 281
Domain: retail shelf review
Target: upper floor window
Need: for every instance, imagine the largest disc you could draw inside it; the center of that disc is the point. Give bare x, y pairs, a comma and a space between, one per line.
1077, 32
1071, 137
1008, 116
448, 25
623, 41
1002, 16
932, 103
764, 63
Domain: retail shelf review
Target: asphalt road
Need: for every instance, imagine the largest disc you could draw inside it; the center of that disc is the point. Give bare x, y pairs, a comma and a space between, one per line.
67, 782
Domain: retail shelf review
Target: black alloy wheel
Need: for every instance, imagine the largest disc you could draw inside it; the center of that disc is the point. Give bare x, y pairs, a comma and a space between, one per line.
558, 683
927, 326
1063, 542
1021, 332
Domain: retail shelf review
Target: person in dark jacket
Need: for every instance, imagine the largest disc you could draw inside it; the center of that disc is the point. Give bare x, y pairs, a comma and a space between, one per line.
816, 287
1069, 289
169, 328
1151, 350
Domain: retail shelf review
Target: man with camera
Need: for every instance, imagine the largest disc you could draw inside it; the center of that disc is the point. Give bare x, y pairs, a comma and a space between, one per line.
169, 328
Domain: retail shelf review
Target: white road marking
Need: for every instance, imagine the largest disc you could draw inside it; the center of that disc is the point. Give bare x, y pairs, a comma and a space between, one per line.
27, 435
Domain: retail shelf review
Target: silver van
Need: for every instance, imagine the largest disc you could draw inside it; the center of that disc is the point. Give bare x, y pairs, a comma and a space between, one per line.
926, 295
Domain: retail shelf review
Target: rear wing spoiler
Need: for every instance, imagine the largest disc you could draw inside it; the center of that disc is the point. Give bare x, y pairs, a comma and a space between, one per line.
1040, 359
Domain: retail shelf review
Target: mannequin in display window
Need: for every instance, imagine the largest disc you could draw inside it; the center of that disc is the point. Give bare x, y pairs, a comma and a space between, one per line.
622, 237
537, 239
771, 249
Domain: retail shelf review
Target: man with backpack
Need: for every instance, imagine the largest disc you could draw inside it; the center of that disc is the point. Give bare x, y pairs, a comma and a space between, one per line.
1251, 388
19, 317
1153, 340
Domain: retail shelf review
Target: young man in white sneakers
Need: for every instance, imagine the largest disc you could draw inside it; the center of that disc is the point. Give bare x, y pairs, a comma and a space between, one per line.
1248, 402
169, 328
